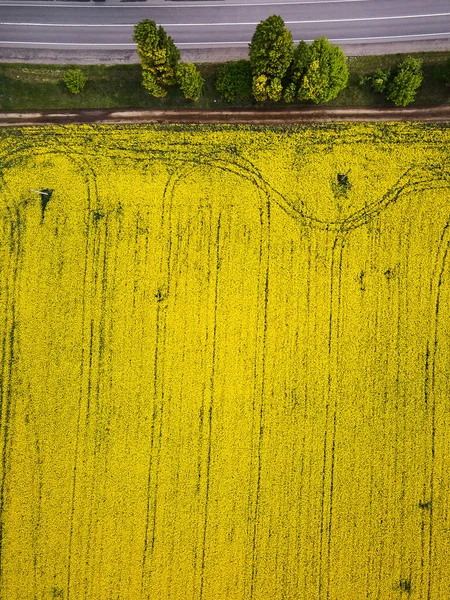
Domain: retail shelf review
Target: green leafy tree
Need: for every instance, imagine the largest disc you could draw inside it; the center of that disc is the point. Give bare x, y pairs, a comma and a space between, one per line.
321, 73
234, 80
190, 81
259, 88
300, 62
74, 80
404, 86
379, 80
159, 57
271, 48
270, 55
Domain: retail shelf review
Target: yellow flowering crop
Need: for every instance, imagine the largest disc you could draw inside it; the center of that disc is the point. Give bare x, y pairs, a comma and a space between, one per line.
225, 363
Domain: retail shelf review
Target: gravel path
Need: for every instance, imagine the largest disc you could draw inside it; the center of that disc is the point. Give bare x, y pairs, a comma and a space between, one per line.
438, 114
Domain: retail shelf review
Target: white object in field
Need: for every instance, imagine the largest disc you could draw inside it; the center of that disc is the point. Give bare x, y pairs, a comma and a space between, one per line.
39, 192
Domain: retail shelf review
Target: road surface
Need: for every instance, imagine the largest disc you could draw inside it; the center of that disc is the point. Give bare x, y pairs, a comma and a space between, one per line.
210, 25
259, 116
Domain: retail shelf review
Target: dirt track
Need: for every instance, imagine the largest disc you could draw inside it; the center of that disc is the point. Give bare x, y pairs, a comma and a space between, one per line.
438, 114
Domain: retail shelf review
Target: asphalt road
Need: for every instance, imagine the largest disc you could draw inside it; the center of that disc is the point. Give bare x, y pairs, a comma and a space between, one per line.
212, 24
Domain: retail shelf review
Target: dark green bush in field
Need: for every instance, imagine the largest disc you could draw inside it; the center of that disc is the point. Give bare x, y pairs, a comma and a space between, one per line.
234, 81
403, 88
74, 80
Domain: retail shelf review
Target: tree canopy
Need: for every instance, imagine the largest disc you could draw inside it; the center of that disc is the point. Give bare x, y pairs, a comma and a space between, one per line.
159, 57
403, 88
319, 70
271, 48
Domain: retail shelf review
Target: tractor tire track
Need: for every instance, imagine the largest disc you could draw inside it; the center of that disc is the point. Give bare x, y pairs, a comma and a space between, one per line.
430, 400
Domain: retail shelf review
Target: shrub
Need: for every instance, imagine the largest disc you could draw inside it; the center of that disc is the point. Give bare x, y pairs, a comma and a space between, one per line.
404, 86
190, 81
321, 71
379, 80
74, 80
259, 88
342, 185
271, 48
364, 80
235, 80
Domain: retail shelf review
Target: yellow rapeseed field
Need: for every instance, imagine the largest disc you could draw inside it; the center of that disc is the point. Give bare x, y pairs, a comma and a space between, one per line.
225, 363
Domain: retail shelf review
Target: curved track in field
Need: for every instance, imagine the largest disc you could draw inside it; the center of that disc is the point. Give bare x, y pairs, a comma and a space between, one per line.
417, 178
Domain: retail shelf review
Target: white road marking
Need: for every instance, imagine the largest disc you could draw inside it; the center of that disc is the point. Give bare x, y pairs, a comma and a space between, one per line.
185, 5
195, 44
229, 24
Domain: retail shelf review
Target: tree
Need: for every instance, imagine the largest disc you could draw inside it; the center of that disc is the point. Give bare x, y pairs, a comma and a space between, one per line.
300, 60
271, 48
234, 80
320, 70
190, 81
74, 80
270, 57
404, 86
159, 57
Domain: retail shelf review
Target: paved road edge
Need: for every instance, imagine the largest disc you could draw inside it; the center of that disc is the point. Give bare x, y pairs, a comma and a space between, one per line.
198, 55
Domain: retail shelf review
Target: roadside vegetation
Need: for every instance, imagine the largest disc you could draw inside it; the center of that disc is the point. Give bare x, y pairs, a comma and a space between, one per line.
39, 87
276, 74
74, 80
315, 72
161, 66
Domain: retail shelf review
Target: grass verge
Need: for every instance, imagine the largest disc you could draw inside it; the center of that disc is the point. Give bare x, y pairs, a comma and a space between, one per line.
38, 87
